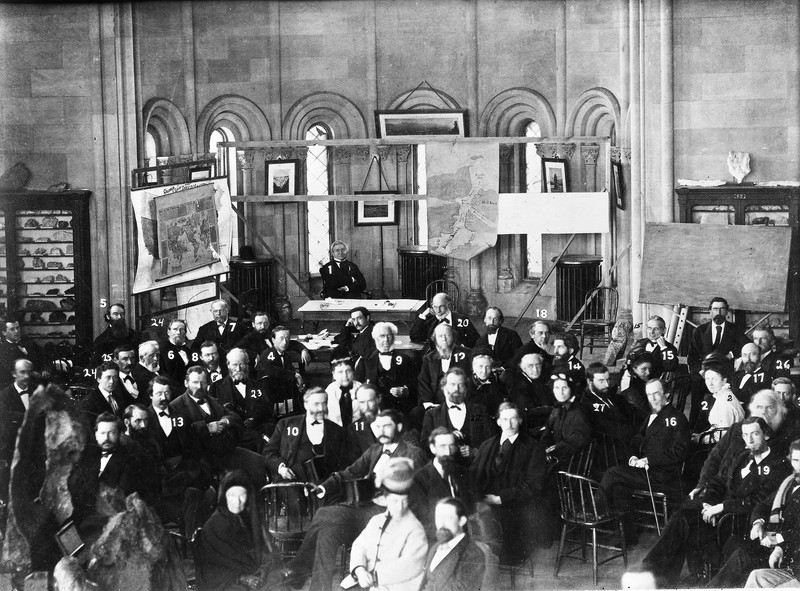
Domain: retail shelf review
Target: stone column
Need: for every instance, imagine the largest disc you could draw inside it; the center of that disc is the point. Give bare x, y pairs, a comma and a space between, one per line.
590, 153
505, 276
475, 302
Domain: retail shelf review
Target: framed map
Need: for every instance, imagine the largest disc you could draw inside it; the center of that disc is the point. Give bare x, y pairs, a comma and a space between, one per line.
186, 224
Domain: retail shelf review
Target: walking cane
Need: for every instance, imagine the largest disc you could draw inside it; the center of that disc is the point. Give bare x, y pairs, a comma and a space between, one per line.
652, 499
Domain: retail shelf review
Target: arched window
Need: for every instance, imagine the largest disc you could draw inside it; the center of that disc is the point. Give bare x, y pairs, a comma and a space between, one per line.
533, 184
228, 162
318, 213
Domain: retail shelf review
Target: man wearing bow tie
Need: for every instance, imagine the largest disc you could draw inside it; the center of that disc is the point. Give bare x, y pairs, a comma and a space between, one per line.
209, 358
444, 354
149, 365
751, 376
501, 341
175, 354
308, 447
105, 397
259, 340
341, 278
392, 372
664, 353
339, 524
222, 330
128, 391
741, 484
246, 398
14, 401
610, 415
441, 312
355, 338
539, 344
341, 392
468, 420
276, 371
359, 432
13, 346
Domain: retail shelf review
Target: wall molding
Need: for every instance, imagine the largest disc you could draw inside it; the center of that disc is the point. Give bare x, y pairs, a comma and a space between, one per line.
506, 114
337, 112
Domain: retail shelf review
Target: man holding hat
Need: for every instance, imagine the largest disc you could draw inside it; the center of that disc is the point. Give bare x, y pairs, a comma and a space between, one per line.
390, 553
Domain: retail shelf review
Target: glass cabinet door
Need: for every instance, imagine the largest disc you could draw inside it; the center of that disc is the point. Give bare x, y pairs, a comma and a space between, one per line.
46, 286
724, 215
766, 215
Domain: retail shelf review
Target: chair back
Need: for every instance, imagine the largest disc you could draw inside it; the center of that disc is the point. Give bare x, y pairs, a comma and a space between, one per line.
444, 286
679, 388
581, 501
581, 462
289, 508
602, 303
195, 545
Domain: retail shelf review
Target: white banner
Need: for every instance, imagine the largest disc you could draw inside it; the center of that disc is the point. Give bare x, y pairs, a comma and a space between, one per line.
553, 213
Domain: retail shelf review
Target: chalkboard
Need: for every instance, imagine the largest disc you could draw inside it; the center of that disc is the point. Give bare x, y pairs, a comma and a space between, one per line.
691, 263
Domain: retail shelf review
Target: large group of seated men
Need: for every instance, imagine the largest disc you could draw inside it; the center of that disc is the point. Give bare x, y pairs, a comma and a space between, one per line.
482, 424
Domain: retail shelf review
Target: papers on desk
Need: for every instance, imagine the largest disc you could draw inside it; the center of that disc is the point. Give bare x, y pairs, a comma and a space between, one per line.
315, 342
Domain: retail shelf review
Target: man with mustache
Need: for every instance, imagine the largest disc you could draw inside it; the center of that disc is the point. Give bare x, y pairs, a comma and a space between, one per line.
14, 401
104, 398
444, 354
14, 345
611, 416
455, 562
277, 373
469, 421
126, 359
258, 340
222, 330
175, 354
149, 365
441, 312
501, 341
392, 372
209, 358
118, 333
355, 338
246, 398
774, 360
565, 346
751, 376
359, 432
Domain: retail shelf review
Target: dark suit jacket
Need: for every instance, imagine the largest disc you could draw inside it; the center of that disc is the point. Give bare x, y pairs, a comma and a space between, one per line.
522, 478
505, 346
431, 372
609, 415
429, 487
732, 342
744, 389
477, 426
777, 364
128, 469
490, 394
142, 376
534, 400
234, 330
256, 406
213, 447
569, 430
344, 274
12, 412
172, 364
401, 373
665, 444
94, 404
104, 345
10, 352
365, 465
664, 360
528, 348
422, 330
788, 525
357, 344
359, 439
462, 569
255, 344
127, 397
284, 447
178, 455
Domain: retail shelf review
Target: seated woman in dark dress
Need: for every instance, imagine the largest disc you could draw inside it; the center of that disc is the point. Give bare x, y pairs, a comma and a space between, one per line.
234, 549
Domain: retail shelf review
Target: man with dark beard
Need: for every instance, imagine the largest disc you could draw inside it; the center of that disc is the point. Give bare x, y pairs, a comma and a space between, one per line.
455, 563
175, 354
444, 476
610, 415
501, 341
469, 421
359, 433
774, 360
209, 357
565, 345
126, 359
118, 333
751, 375
446, 353
258, 340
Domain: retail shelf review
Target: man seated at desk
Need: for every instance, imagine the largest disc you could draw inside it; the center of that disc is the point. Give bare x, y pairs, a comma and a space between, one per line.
355, 338
258, 340
341, 279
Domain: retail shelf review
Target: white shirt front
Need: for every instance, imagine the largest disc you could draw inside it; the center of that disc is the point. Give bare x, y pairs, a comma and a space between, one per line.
316, 432
491, 338
385, 361
445, 364
164, 421
25, 398
444, 549
458, 416
511, 438
104, 462
334, 396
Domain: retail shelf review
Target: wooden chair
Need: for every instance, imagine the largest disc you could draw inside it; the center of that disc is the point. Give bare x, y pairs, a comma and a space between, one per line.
679, 387
584, 508
581, 463
444, 286
289, 508
599, 316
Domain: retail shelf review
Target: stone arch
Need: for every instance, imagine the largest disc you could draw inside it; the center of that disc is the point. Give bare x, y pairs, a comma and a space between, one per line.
338, 113
239, 114
167, 124
506, 114
423, 98
595, 112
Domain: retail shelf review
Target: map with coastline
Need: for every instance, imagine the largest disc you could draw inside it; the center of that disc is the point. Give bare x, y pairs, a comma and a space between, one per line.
462, 198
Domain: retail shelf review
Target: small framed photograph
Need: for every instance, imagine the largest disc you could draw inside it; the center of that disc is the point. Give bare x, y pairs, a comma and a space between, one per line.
199, 173
618, 182
282, 177
554, 173
414, 122
376, 213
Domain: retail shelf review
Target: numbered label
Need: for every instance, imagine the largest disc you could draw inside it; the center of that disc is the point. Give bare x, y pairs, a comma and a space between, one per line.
177, 421
541, 313
462, 322
763, 470
103, 302
398, 360
171, 354
459, 356
671, 422
294, 431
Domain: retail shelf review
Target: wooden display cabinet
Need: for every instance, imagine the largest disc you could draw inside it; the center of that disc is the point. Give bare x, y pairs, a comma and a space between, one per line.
45, 267
749, 204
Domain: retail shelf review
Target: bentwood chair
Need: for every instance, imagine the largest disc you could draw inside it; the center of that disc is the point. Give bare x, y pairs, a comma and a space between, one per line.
289, 508
599, 316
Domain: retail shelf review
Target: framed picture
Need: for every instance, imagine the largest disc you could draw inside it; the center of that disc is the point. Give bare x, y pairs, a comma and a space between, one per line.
618, 181
554, 174
199, 173
414, 122
282, 176
376, 213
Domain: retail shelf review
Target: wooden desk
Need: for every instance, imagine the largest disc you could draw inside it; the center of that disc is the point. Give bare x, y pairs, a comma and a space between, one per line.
404, 311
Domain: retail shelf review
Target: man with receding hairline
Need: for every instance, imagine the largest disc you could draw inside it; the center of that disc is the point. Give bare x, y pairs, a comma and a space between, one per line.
441, 311
501, 341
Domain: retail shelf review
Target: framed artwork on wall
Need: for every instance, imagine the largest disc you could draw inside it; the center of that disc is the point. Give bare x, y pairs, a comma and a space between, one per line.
376, 213
618, 181
199, 173
282, 177
414, 122
554, 173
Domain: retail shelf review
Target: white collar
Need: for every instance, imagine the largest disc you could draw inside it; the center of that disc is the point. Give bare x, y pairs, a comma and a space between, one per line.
454, 542
511, 438
760, 457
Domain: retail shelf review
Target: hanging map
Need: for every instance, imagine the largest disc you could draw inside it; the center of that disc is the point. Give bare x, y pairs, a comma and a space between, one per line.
462, 197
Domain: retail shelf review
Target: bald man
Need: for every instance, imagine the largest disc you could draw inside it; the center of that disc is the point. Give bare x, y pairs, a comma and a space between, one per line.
441, 312
751, 376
